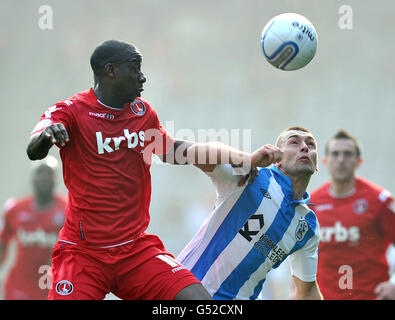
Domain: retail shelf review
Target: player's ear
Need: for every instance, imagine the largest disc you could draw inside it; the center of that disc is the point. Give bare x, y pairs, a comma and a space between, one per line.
325, 161
360, 160
110, 70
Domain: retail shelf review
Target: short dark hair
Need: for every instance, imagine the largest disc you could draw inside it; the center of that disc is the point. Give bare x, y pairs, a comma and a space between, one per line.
112, 51
343, 134
296, 128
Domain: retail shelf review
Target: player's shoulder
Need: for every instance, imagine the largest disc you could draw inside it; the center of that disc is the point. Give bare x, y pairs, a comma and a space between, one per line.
15, 204
367, 184
9, 204
223, 172
374, 190
83, 97
267, 171
264, 176
321, 191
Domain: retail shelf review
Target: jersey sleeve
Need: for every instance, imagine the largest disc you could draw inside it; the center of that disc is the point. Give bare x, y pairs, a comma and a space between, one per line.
224, 179
304, 261
165, 141
59, 112
157, 139
387, 215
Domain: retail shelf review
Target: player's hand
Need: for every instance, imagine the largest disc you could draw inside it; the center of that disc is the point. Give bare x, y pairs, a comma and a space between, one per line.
56, 133
385, 291
266, 155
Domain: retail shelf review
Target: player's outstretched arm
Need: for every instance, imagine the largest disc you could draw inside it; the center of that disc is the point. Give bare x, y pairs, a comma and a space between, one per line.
212, 153
40, 143
206, 155
219, 153
307, 290
177, 153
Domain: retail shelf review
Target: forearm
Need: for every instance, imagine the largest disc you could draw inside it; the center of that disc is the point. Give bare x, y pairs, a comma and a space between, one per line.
38, 147
213, 153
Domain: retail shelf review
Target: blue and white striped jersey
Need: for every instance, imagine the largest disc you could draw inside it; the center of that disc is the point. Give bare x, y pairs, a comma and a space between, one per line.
251, 230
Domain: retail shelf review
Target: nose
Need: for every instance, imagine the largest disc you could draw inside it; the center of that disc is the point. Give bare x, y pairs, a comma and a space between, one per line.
142, 77
340, 157
304, 147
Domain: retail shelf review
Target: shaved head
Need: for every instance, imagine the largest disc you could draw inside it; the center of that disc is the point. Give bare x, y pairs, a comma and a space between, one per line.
114, 52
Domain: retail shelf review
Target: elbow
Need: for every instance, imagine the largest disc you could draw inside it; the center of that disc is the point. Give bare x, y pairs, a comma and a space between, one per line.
33, 155
36, 150
30, 154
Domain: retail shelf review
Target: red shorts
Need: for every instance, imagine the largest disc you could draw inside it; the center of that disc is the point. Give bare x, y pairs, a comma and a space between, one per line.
141, 269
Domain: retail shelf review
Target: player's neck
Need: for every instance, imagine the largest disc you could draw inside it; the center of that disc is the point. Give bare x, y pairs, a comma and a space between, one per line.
107, 97
342, 189
299, 182
43, 202
299, 185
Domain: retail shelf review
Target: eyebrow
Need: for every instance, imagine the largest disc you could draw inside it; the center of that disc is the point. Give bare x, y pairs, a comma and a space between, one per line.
135, 56
297, 136
344, 151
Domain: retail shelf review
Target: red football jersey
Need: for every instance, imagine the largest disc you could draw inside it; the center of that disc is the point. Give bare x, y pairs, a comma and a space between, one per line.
106, 167
35, 232
355, 232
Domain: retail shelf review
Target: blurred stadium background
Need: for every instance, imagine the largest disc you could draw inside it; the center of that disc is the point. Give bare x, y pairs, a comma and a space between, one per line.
205, 70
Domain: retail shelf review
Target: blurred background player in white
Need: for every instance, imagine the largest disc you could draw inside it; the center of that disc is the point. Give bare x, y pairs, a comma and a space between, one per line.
255, 227
33, 222
357, 222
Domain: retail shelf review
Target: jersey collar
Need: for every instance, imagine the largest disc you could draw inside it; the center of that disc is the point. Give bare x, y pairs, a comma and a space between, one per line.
286, 184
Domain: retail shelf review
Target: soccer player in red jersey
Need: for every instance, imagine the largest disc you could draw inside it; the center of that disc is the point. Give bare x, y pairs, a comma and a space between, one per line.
357, 221
34, 223
106, 137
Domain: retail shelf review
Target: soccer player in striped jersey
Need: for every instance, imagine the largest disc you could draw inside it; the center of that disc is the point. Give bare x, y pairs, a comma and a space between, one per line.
255, 227
357, 225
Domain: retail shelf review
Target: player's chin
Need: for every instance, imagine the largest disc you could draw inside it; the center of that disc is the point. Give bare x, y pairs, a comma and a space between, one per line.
306, 168
342, 177
132, 97
136, 94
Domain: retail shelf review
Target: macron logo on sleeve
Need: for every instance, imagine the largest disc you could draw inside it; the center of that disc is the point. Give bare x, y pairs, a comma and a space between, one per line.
111, 144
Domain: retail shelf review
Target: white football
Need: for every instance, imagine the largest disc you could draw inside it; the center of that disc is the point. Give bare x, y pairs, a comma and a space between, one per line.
289, 41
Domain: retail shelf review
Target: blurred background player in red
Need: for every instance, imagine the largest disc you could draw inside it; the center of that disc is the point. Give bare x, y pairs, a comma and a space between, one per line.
34, 223
357, 222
